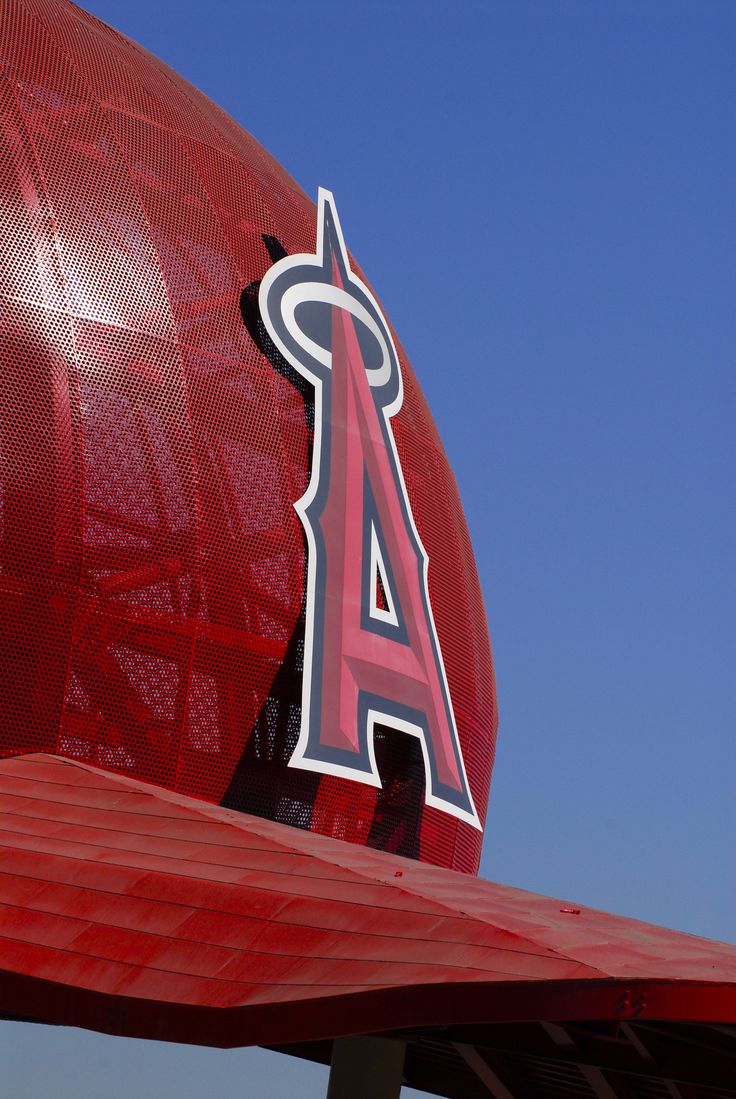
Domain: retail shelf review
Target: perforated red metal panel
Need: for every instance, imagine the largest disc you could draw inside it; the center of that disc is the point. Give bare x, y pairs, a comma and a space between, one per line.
151, 561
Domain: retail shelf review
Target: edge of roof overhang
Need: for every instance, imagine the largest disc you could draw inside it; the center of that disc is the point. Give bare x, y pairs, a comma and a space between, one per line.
372, 1012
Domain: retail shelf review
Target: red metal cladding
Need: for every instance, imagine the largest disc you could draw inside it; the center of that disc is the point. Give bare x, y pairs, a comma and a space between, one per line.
152, 564
135, 910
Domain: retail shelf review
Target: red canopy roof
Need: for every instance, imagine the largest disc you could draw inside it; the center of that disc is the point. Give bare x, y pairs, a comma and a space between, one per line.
130, 909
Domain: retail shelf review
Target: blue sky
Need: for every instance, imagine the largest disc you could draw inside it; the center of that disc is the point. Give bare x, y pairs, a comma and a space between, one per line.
542, 196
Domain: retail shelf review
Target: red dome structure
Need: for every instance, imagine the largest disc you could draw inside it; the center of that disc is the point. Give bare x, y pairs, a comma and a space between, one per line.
153, 564
238, 607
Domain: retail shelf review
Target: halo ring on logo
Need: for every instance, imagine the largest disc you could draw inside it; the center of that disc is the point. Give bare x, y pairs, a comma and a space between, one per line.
313, 293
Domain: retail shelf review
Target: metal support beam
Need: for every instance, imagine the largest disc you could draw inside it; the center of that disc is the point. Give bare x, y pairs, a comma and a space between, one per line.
483, 1071
366, 1068
644, 1053
592, 1073
598, 1082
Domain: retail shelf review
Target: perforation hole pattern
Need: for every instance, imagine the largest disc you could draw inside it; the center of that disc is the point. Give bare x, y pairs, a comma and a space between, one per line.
151, 561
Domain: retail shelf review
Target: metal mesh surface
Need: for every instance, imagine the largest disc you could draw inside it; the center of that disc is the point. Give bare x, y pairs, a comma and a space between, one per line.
151, 561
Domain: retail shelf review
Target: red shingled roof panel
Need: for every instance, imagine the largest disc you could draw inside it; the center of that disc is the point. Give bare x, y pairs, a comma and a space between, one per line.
151, 899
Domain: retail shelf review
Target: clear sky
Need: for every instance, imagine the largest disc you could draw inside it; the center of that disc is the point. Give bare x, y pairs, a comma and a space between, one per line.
542, 194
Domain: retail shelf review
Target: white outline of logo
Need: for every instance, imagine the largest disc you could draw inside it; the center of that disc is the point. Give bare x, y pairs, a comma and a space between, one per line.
297, 294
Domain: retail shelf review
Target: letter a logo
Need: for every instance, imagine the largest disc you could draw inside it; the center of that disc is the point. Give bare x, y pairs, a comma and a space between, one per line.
371, 653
